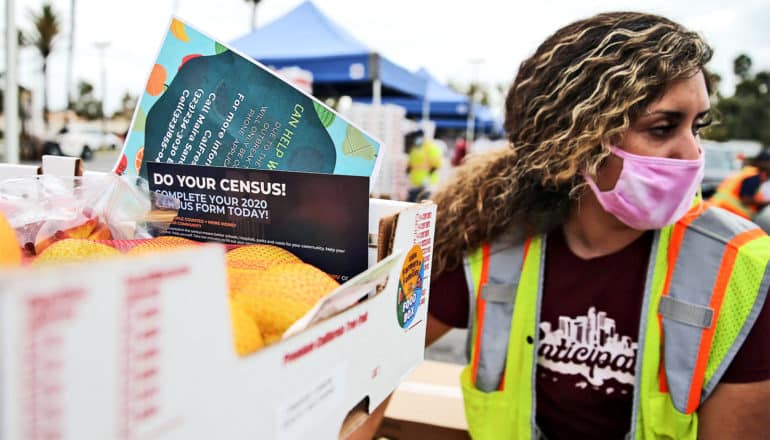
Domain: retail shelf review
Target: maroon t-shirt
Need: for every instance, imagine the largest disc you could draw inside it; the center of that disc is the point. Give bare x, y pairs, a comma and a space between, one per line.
589, 327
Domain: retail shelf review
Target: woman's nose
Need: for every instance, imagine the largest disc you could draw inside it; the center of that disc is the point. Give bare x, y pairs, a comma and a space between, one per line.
688, 147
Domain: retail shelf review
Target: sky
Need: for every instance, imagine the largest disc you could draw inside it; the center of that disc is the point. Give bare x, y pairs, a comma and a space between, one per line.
455, 41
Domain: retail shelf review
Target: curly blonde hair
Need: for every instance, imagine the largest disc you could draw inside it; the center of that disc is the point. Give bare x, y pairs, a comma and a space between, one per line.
583, 86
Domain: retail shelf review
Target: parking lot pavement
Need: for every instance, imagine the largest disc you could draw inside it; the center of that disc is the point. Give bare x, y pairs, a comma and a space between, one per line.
450, 348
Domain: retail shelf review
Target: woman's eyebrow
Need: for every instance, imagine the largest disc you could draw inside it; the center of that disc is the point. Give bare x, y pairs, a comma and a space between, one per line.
704, 113
676, 114
668, 114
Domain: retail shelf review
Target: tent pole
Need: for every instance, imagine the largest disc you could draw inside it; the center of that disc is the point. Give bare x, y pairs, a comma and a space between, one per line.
377, 92
11, 100
469, 131
471, 101
425, 109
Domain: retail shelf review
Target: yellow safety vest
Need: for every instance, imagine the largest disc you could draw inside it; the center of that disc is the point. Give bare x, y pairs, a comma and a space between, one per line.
707, 280
422, 160
728, 194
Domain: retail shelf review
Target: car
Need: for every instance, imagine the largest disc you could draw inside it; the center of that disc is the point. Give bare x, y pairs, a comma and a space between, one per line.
82, 141
721, 162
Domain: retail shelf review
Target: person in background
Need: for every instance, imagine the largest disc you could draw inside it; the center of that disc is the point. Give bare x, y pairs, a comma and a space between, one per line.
603, 299
65, 126
740, 193
425, 160
461, 150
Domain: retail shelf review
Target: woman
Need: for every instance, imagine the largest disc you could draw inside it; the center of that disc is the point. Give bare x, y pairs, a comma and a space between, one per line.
591, 314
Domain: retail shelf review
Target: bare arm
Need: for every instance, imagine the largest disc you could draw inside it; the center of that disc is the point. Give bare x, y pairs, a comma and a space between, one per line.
736, 410
434, 330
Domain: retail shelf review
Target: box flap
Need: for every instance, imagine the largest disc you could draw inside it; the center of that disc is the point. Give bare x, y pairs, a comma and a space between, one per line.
387, 232
61, 166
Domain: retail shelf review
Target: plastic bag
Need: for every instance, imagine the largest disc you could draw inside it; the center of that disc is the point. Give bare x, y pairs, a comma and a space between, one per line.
45, 209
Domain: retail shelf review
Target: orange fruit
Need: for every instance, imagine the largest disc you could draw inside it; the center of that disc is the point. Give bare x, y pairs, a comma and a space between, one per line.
247, 336
269, 338
10, 249
240, 278
101, 232
278, 296
161, 244
73, 249
83, 230
259, 256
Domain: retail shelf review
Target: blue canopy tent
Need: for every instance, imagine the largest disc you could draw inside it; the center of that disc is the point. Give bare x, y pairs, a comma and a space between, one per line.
445, 107
439, 100
486, 121
340, 64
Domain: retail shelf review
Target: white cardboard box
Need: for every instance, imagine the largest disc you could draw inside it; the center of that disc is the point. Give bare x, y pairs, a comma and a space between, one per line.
142, 348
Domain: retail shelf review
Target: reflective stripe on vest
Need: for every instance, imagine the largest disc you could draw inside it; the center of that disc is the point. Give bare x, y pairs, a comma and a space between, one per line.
711, 297
692, 303
494, 311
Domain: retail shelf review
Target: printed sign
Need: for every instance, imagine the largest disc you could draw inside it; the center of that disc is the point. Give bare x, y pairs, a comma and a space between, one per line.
323, 219
410, 285
205, 104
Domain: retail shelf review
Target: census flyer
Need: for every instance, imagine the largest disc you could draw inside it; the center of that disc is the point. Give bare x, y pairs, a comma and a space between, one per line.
322, 219
205, 104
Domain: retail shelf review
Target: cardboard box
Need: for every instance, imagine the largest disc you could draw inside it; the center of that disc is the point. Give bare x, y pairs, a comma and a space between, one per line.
142, 348
428, 405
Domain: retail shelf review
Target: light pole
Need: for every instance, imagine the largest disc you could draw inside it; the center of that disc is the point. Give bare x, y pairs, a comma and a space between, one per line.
471, 124
101, 46
70, 55
11, 103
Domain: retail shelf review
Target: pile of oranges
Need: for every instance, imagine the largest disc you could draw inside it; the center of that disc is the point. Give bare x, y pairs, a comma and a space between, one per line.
269, 287
274, 288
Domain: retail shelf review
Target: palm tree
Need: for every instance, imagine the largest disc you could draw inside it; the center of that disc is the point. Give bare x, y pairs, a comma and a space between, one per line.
46, 28
254, 13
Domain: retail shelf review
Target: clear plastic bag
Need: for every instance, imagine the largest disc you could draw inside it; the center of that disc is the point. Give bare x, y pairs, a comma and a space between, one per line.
44, 209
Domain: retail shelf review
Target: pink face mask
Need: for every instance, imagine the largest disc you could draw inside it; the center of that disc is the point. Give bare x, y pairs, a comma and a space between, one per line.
651, 192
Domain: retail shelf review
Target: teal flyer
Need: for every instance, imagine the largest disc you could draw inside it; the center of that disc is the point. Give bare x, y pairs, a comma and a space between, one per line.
207, 105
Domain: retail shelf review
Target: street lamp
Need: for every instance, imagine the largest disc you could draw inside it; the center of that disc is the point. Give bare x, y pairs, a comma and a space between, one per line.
70, 55
101, 46
11, 103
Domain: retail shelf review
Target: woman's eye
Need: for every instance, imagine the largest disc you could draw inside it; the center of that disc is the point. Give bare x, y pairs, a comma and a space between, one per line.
662, 130
699, 126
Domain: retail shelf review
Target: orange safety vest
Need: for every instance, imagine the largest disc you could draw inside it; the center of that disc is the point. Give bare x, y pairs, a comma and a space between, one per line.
728, 194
